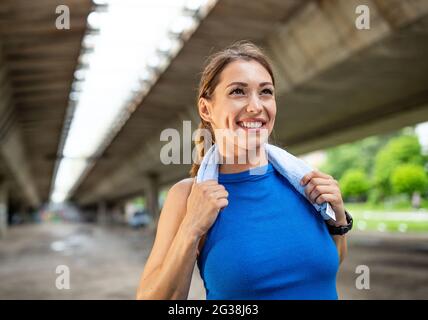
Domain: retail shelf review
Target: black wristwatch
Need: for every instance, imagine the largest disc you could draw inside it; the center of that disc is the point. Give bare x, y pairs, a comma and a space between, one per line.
342, 229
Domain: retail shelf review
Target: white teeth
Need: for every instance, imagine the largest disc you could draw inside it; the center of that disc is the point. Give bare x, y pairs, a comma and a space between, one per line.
252, 124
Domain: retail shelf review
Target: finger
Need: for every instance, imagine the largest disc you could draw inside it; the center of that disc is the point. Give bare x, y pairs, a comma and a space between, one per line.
326, 197
315, 182
221, 194
320, 189
223, 202
307, 177
315, 173
218, 192
210, 182
321, 174
215, 188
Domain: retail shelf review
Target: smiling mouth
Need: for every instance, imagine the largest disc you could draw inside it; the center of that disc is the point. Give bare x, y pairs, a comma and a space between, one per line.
251, 124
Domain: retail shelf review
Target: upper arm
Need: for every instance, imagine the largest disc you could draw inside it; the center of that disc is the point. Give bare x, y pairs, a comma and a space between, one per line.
341, 246
171, 216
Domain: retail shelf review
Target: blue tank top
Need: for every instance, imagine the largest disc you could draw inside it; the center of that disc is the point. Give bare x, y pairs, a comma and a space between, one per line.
268, 243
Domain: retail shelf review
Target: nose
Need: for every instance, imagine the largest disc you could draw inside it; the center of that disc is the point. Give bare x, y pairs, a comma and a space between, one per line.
254, 104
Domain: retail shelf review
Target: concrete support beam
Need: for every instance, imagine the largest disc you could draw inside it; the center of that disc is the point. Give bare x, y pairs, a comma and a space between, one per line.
145, 160
350, 83
361, 129
102, 217
342, 83
151, 191
300, 56
12, 151
399, 13
13, 154
3, 209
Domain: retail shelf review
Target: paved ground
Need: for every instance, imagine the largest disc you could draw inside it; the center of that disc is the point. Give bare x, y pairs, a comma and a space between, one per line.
106, 263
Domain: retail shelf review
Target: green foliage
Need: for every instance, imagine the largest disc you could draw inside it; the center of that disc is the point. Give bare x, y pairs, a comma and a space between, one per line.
354, 184
340, 159
139, 201
377, 158
356, 155
374, 196
401, 150
409, 178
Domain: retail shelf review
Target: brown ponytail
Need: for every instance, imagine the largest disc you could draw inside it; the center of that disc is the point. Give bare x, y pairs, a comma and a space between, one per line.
215, 64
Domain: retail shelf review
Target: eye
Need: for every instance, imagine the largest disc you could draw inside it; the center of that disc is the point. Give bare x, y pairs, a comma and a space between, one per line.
237, 91
267, 91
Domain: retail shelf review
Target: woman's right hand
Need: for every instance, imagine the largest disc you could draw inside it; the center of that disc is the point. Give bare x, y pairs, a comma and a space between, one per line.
203, 205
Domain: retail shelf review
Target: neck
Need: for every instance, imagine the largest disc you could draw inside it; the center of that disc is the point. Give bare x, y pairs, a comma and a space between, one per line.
253, 160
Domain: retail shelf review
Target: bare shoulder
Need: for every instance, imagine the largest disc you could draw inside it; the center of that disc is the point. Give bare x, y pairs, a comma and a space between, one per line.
181, 189
171, 216
176, 199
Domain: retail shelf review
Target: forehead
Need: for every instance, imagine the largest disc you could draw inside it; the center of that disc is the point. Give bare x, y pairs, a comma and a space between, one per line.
244, 71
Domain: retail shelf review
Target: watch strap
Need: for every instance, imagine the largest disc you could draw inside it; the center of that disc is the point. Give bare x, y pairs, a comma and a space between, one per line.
341, 230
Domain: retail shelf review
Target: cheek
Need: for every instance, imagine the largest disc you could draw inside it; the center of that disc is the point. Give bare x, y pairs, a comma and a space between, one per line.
225, 111
224, 119
272, 112
229, 114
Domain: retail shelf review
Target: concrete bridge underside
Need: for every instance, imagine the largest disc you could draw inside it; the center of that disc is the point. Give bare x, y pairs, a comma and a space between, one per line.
335, 83
37, 62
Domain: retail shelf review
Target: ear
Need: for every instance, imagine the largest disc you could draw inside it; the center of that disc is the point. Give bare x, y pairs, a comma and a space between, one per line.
204, 107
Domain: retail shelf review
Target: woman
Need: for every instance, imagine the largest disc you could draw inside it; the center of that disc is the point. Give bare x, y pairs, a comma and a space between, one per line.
268, 241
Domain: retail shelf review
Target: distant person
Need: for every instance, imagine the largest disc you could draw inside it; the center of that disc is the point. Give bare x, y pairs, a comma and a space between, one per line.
252, 236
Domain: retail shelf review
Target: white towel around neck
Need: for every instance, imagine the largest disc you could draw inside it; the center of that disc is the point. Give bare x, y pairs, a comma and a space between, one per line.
289, 166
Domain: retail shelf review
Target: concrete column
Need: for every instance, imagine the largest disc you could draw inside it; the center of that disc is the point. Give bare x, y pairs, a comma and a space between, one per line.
102, 212
3, 209
118, 213
20, 215
152, 196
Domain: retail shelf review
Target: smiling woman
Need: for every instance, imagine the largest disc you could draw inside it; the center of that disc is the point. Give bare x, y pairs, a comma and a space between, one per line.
253, 236
255, 88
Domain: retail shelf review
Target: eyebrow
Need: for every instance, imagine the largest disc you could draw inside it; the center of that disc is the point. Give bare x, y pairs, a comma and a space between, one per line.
244, 84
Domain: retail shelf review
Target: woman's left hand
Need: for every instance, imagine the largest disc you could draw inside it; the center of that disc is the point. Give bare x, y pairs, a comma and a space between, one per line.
320, 188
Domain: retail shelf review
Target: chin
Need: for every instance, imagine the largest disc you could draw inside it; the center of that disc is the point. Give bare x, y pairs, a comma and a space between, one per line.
239, 142
249, 146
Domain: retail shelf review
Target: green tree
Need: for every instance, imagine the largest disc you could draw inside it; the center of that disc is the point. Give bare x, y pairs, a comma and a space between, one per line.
409, 178
401, 150
340, 159
355, 155
354, 184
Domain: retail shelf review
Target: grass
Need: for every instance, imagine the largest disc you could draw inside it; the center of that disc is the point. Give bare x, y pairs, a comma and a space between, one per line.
392, 218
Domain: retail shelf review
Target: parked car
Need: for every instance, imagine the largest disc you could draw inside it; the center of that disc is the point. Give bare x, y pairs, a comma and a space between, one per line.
140, 219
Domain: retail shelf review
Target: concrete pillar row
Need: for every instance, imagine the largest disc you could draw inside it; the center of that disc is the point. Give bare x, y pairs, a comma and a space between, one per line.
3, 208
151, 191
102, 212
